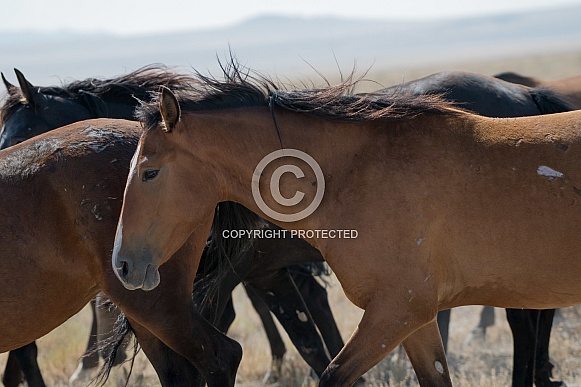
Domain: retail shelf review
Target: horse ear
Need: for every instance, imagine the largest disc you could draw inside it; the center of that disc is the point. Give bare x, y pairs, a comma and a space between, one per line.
169, 108
9, 86
29, 92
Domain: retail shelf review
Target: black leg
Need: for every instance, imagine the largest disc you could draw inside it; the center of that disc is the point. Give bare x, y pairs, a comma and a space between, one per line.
444, 326
282, 297
26, 359
13, 375
543, 366
523, 324
277, 347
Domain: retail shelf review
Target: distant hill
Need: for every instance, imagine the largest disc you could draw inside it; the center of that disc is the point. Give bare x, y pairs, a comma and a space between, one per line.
282, 46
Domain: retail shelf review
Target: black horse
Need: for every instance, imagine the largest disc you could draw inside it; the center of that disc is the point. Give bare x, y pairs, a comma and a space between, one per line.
31, 110
492, 97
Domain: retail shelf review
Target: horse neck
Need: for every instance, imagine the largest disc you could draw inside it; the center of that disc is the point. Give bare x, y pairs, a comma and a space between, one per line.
109, 107
236, 143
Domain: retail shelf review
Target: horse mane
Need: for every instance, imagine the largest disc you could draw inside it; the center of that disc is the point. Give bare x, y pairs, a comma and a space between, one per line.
139, 84
224, 255
243, 87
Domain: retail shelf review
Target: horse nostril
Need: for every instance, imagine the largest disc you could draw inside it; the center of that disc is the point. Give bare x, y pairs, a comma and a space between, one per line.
124, 269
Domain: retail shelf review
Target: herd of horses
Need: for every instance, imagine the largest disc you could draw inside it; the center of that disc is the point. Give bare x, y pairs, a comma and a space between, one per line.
455, 200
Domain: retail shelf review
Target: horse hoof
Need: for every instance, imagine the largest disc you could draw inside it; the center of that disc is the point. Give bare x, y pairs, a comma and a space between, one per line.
476, 337
81, 376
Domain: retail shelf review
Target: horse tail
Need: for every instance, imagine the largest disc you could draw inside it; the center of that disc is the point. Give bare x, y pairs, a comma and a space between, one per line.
109, 348
549, 101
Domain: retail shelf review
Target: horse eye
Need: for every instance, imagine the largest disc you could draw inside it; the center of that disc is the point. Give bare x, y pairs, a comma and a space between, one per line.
150, 174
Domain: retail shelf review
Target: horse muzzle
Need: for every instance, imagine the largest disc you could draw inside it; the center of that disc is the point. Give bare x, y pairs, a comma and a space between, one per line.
136, 275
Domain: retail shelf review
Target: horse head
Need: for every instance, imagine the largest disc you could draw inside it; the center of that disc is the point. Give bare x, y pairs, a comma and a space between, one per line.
31, 110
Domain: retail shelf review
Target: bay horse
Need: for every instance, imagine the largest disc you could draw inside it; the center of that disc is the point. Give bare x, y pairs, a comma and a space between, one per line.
56, 253
450, 208
32, 110
569, 88
492, 97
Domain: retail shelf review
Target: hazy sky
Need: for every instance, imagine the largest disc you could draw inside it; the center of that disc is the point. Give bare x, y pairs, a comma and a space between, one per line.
143, 16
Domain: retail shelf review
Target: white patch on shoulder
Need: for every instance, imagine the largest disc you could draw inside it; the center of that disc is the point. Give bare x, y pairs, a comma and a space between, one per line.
543, 170
420, 241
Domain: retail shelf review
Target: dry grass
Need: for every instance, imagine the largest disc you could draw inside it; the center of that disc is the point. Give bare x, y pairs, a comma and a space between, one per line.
485, 364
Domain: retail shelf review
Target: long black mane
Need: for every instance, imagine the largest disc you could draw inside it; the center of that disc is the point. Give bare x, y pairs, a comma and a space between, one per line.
139, 84
241, 87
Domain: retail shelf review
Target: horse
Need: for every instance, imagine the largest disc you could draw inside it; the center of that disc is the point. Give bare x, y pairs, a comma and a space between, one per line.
56, 253
569, 88
442, 207
492, 97
31, 110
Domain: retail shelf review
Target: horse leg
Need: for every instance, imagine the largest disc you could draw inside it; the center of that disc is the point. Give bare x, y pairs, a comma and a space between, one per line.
486, 320
13, 375
317, 301
543, 366
277, 347
426, 353
26, 359
90, 359
283, 299
523, 324
444, 326
379, 332
171, 368
315, 297
227, 317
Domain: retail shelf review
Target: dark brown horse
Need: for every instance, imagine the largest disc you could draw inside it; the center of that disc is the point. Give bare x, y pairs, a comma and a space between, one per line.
450, 208
31, 110
56, 252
